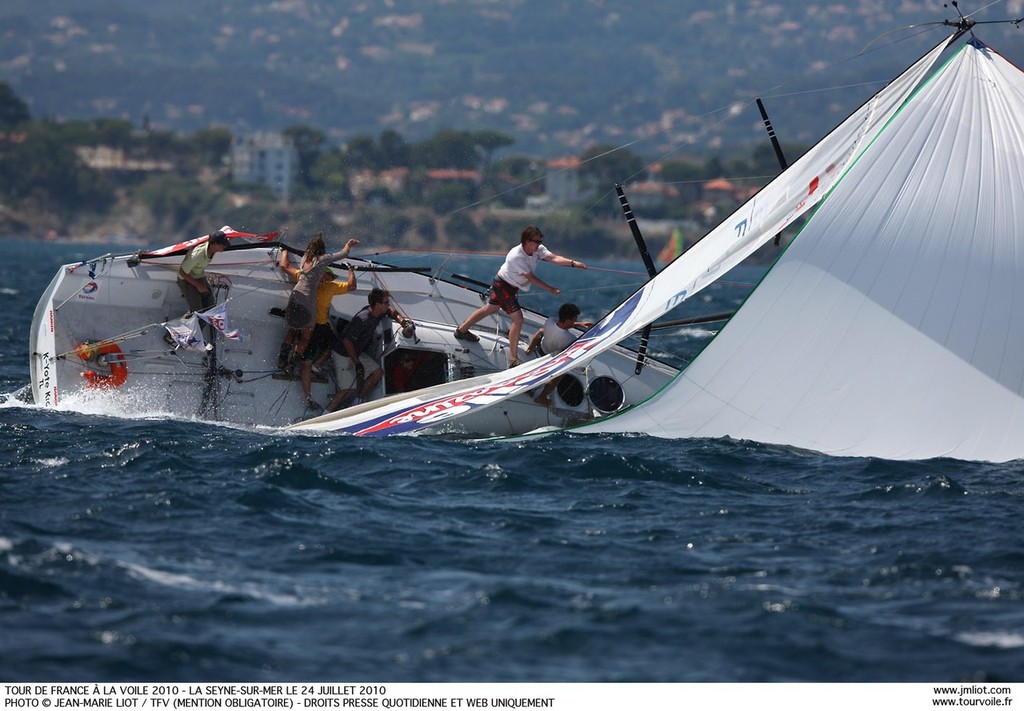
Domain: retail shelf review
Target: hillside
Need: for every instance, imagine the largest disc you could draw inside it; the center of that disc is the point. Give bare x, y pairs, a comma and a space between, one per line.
557, 75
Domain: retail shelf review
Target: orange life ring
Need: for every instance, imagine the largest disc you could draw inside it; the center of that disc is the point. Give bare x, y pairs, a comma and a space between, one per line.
111, 356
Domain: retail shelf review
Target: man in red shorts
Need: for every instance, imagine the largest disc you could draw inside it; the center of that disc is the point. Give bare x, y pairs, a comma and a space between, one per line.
516, 273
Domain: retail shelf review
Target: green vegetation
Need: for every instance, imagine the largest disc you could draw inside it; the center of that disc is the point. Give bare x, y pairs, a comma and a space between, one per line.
159, 186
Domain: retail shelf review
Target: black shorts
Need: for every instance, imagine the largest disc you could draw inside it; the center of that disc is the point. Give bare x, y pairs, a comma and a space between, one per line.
506, 296
320, 342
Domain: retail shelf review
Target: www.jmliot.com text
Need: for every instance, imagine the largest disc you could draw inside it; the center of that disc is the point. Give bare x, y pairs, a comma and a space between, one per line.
972, 695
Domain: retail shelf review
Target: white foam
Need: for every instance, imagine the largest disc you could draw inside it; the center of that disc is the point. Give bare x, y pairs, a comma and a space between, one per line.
184, 581
51, 461
998, 640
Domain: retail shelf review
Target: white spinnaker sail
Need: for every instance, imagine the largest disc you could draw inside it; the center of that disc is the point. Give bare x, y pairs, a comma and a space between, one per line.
774, 208
893, 326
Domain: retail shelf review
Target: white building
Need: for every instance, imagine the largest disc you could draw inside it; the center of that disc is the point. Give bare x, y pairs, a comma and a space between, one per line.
266, 158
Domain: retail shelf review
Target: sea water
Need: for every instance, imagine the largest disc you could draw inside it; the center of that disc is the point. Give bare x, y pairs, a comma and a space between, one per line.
151, 549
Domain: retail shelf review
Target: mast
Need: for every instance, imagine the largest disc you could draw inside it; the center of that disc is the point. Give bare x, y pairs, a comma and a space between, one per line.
783, 163
652, 271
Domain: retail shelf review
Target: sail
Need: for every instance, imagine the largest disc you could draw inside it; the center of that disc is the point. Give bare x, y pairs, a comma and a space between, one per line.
893, 326
775, 207
189, 244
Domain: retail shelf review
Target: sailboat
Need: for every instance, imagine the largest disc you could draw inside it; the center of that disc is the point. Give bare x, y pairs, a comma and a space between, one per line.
891, 326
110, 336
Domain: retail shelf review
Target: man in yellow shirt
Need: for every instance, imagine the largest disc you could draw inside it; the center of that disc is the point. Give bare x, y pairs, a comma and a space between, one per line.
319, 348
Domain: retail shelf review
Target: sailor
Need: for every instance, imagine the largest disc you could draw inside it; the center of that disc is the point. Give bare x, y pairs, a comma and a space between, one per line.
358, 350
319, 348
300, 312
192, 280
403, 373
516, 273
554, 338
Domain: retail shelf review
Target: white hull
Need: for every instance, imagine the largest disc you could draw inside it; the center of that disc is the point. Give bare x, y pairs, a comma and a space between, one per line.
111, 300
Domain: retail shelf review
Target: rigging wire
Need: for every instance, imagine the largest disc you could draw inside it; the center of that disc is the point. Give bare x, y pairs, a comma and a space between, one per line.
730, 111
965, 23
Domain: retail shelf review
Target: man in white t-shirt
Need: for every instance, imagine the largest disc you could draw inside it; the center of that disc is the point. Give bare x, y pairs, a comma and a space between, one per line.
517, 272
554, 338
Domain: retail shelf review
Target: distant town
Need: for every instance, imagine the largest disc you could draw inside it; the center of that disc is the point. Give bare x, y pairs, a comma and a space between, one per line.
107, 180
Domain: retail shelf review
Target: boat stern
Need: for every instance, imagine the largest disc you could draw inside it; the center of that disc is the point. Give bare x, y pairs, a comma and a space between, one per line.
42, 347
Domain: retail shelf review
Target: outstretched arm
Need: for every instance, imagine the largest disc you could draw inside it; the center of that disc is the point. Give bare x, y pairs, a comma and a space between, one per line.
349, 245
341, 253
565, 261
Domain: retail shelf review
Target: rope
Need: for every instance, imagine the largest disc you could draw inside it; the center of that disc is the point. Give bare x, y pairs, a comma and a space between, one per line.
468, 253
113, 340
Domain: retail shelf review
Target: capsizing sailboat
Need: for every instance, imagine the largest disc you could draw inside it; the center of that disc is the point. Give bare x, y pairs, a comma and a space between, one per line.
892, 326
109, 336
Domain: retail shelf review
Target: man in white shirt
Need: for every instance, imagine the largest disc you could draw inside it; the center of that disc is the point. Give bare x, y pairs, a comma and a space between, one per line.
554, 338
517, 272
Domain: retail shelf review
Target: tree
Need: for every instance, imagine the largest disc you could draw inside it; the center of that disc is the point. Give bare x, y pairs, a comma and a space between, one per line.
13, 111
447, 149
162, 144
309, 142
685, 176
608, 165
462, 231
578, 234
603, 166
488, 142
446, 198
379, 226
361, 153
765, 162
211, 144
116, 133
183, 204
44, 165
329, 175
522, 169
394, 151
426, 229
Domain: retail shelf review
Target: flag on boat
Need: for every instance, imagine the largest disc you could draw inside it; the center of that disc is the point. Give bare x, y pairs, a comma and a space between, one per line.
218, 318
673, 248
186, 333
